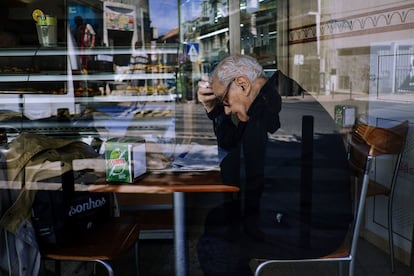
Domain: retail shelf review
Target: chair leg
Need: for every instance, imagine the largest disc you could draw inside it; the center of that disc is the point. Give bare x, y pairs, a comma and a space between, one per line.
390, 208
340, 268
260, 268
356, 195
390, 234
107, 266
351, 267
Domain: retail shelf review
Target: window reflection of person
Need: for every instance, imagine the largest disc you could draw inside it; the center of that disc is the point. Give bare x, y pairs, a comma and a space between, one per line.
265, 222
85, 36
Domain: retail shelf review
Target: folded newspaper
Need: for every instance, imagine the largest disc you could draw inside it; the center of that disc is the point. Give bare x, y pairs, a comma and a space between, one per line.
195, 157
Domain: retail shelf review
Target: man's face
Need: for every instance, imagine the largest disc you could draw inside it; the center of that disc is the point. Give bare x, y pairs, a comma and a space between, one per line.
232, 97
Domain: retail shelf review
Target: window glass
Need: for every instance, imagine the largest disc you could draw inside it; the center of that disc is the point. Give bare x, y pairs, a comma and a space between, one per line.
131, 71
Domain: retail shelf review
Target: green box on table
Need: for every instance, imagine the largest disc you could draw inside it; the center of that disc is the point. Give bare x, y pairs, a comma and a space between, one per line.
125, 160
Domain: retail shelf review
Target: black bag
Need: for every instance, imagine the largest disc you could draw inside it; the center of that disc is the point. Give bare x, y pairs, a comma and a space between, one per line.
60, 217
38, 163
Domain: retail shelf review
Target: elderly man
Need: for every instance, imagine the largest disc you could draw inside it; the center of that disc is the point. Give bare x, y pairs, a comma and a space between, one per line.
268, 218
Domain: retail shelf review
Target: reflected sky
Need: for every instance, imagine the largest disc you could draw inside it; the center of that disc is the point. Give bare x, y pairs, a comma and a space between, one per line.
163, 15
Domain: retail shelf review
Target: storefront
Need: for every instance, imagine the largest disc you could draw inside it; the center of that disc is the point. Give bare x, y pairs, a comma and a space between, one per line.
124, 69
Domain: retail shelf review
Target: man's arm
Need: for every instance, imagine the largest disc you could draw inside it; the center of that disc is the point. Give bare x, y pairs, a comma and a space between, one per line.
93, 35
227, 132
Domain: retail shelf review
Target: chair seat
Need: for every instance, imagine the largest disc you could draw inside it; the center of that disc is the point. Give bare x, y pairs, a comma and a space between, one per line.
105, 243
343, 251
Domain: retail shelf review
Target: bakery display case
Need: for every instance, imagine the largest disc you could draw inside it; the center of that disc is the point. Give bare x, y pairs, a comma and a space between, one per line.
136, 99
35, 84
30, 71
44, 90
86, 69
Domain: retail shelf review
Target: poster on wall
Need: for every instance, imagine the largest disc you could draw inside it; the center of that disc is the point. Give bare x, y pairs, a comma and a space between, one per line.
120, 26
119, 19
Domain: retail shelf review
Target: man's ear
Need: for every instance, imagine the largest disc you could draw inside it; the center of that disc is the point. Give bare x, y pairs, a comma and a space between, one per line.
243, 83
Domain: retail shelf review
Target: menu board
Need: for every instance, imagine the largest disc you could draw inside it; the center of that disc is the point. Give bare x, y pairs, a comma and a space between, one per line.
120, 19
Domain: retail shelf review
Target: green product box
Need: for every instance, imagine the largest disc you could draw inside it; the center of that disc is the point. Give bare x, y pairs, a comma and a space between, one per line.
345, 115
125, 161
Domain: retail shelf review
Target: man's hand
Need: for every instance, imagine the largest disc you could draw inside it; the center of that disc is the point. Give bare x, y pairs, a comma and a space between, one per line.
206, 95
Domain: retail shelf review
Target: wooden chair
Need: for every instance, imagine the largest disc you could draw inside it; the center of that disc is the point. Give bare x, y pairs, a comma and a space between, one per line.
366, 142
107, 242
381, 141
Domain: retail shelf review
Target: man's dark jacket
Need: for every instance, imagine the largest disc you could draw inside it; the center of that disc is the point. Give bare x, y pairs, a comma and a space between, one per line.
301, 204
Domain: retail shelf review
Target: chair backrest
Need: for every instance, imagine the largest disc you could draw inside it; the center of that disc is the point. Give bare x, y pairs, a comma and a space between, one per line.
371, 140
365, 143
383, 140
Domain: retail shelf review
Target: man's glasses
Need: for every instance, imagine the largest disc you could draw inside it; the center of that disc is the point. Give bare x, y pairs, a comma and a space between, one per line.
222, 99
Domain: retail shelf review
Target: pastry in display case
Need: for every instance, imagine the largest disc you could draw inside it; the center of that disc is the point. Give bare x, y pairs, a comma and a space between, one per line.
112, 78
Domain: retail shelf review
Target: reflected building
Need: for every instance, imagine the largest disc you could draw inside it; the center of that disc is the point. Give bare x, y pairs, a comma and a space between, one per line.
359, 47
326, 45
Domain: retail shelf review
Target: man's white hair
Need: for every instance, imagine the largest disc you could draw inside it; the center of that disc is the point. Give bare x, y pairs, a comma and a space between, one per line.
234, 66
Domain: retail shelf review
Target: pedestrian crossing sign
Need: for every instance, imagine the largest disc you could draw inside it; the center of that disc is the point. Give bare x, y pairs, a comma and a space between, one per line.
192, 50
